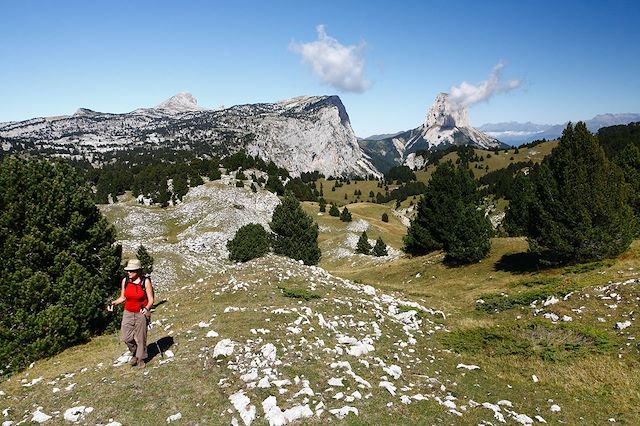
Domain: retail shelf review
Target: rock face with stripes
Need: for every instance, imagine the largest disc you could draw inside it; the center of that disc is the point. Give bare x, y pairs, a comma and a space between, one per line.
303, 134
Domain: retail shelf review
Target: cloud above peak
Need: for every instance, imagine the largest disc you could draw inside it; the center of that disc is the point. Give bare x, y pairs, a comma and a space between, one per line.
337, 65
466, 94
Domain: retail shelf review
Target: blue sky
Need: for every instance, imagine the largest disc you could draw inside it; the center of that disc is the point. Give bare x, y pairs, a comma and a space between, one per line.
387, 60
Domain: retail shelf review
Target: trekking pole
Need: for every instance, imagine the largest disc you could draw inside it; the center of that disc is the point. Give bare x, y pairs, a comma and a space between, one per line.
149, 327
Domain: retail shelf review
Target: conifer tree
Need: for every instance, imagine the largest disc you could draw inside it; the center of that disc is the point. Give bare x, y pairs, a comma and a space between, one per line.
180, 186
333, 211
628, 159
580, 211
448, 218
323, 205
516, 219
145, 259
380, 249
363, 246
59, 262
345, 215
294, 233
385, 217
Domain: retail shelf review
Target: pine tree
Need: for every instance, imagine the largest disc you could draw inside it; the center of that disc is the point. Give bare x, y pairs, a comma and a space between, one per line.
345, 215
363, 246
448, 218
274, 185
580, 211
516, 219
333, 211
323, 205
214, 174
380, 249
294, 233
180, 186
385, 217
59, 262
145, 259
628, 159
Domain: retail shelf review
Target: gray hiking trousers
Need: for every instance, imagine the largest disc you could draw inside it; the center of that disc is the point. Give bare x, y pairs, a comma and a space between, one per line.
134, 333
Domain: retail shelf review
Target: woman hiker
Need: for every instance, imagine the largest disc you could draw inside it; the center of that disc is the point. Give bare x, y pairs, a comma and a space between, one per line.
137, 295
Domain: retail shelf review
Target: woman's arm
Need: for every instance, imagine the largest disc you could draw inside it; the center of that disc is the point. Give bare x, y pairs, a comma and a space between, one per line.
148, 286
120, 299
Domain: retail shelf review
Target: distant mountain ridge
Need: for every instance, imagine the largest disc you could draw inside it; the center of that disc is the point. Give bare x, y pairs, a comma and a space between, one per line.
444, 126
515, 133
302, 134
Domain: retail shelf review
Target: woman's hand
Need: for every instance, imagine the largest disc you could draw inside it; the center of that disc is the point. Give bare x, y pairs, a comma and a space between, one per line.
110, 307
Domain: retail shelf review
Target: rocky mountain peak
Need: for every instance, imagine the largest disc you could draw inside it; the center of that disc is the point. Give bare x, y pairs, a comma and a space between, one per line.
445, 125
182, 102
85, 112
303, 134
443, 114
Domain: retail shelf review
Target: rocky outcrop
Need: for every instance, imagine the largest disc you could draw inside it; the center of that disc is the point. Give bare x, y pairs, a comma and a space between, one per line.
302, 134
444, 126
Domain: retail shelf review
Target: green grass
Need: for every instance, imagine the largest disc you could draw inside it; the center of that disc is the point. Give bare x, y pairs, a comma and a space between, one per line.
338, 196
586, 366
495, 162
549, 342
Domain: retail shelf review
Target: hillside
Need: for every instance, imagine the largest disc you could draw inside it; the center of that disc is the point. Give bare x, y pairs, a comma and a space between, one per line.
357, 340
302, 134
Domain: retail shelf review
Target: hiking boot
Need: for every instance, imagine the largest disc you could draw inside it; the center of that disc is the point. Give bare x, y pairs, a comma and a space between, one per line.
133, 361
140, 364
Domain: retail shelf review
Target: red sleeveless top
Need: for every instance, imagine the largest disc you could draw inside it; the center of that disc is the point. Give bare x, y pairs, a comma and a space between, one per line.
135, 297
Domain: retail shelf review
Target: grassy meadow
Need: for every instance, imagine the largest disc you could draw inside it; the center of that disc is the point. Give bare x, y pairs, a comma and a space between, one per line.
492, 318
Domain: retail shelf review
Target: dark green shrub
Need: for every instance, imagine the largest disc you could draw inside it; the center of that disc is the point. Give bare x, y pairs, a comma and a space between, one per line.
251, 241
385, 217
298, 293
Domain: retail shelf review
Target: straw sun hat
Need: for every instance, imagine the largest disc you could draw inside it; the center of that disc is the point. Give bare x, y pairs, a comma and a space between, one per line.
133, 265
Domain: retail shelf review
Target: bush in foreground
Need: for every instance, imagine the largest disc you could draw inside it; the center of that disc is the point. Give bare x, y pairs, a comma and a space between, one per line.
59, 262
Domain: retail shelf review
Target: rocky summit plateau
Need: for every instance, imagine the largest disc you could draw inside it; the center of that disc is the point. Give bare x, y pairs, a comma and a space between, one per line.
444, 125
303, 134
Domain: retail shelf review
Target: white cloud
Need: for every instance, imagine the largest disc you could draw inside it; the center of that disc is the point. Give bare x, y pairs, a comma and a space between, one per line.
467, 94
339, 66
